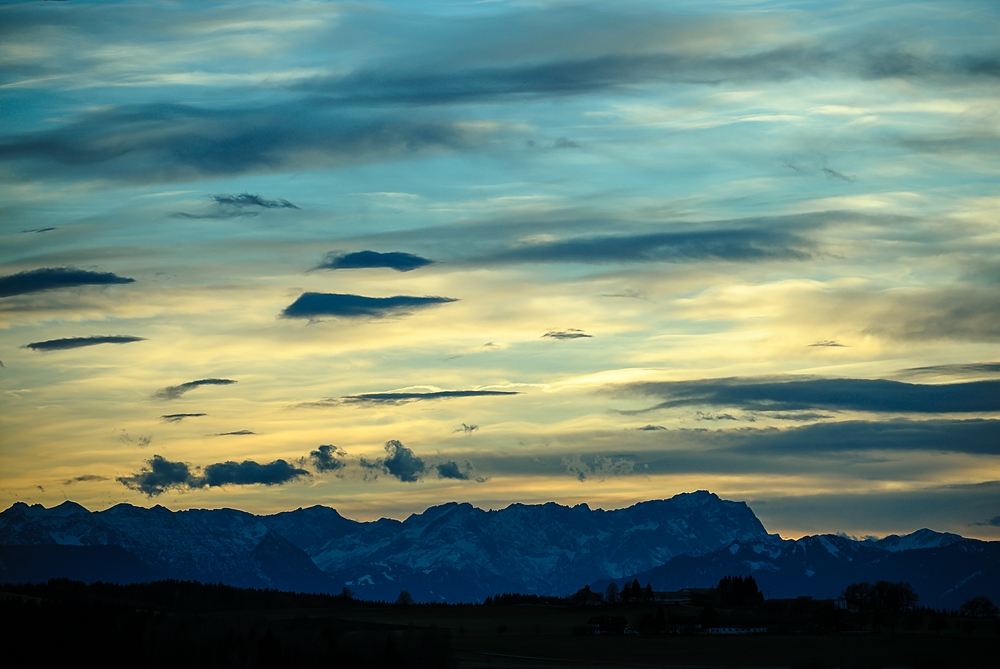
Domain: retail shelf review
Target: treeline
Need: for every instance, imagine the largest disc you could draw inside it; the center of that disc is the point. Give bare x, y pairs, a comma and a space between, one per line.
178, 623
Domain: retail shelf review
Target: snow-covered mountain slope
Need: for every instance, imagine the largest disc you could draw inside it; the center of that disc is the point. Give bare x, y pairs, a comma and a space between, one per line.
821, 566
205, 545
458, 552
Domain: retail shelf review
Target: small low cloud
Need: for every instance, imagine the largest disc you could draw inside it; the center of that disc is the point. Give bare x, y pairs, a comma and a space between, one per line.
650, 428
49, 229
405, 397
235, 433
328, 458
160, 475
52, 278
178, 417
565, 143
86, 478
399, 462
628, 294
467, 429
140, 441
401, 262
313, 306
960, 369
174, 392
249, 200
571, 333
829, 342
598, 467
992, 522
700, 415
249, 472
458, 472
79, 342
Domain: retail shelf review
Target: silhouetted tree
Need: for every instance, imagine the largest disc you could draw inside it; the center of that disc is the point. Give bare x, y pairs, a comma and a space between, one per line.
979, 607
611, 592
404, 599
739, 591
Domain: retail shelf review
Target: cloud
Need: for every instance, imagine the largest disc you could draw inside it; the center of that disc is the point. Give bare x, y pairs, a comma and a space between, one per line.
467, 429
565, 143
49, 229
178, 417
51, 278
401, 262
236, 433
793, 394
174, 392
249, 472
994, 521
650, 428
327, 458
571, 333
458, 472
734, 244
404, 397
85, 478
400, 462
160, 475
719, 416
248, 200
163, 142
960, 369
317, 305
828, 342
78, 342
598, 467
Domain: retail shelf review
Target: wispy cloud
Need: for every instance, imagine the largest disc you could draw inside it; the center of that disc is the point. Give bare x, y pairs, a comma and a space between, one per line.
463, 471
178, 417
79, 342
401, 262
249, 200
571, 333
402, 397
235, 433
794, 394
85, 478
828, 343
174, 392
51, 278
314, 306
467, 428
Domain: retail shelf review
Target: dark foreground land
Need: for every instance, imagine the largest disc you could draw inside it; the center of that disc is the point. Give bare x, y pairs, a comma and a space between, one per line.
172, 624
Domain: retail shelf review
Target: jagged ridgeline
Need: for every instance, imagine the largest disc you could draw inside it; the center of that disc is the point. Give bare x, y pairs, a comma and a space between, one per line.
456, 552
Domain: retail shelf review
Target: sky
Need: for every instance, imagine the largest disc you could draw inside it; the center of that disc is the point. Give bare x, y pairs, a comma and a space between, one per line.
386, 255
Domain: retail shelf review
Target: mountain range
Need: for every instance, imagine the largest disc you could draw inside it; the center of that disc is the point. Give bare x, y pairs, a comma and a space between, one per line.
457, 552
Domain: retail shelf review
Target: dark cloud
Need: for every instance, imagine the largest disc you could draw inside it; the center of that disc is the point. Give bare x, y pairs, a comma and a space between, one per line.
571, 333
467, 429
157, 143
719, 416
174, 392
828, 342
317, 305
599, 467
248, 200
565, 143
794, 394
739, 245
51, 278
84, 479
994, 521
400, 462
404, 397
236, 433
78, 342
401, 262
327, 458
960, 369
221, 214
650, 428
249, 472
459, 472
965, 436
50, 229
160, 475
178, 417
